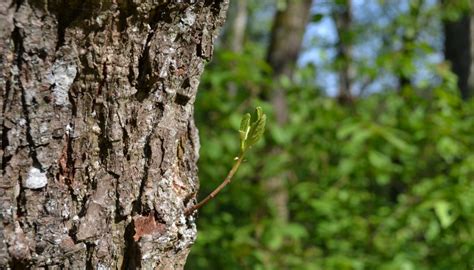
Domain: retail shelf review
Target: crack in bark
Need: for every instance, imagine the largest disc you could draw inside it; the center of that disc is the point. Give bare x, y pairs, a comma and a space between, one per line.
104, 143
19, 50
89, 257
131, 72
131, 253
147, 153
145, 80
5, 142
21, 201
126, 8
72, 101
82, 205
138, 205
144, 70
163, 149
17, 3
117, 216
126, 143
66, 13
66, 168
5, 158
104, 80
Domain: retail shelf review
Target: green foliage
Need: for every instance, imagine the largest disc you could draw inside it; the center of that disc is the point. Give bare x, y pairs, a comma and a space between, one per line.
383, 184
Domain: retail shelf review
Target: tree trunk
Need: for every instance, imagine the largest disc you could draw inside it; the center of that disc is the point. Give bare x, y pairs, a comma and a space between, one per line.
235, 36
343, 19
99, 146
239, 24
459, 50
285, 45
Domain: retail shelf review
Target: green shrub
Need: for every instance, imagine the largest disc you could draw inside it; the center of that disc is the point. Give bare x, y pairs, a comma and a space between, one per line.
385, 183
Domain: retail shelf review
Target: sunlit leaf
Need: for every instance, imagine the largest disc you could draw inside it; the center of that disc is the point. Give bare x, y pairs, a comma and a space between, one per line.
244, 130
445, 214
257, 129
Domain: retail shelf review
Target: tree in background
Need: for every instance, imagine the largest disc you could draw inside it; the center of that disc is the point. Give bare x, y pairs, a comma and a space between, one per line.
285, 45
235, 37
342, 16
99, 146
383, 184
410, 32
458, 43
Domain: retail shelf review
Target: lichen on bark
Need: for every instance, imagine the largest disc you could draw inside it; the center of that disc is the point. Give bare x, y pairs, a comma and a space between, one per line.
99, 146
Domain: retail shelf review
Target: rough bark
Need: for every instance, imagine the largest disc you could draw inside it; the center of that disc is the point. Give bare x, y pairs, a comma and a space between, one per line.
99, 146
459, 51
285, 45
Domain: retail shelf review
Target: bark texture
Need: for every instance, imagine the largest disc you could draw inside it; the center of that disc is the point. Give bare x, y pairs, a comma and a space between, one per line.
99, 146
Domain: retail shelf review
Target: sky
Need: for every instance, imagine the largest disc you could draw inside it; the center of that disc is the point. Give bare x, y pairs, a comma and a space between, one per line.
321, 35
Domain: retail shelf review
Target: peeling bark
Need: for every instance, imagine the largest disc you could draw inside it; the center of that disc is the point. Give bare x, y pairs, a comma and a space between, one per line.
99, 146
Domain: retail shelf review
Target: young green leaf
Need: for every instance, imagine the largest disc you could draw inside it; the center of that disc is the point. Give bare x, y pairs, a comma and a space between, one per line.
259, 112
244, 127
256, 129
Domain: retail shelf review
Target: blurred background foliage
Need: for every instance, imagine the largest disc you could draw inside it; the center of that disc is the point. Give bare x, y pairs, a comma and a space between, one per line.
368, 160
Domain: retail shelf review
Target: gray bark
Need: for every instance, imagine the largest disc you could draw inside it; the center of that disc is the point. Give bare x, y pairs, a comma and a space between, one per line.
99, 146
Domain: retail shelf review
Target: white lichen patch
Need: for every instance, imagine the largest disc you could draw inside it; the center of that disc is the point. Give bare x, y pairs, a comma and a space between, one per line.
36, 179
69, 129
65, 212
188, 233
22, 122
61, 77
102, 267
189, 18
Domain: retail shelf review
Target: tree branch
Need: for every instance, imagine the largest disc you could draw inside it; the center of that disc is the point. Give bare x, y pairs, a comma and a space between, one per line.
216, 191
